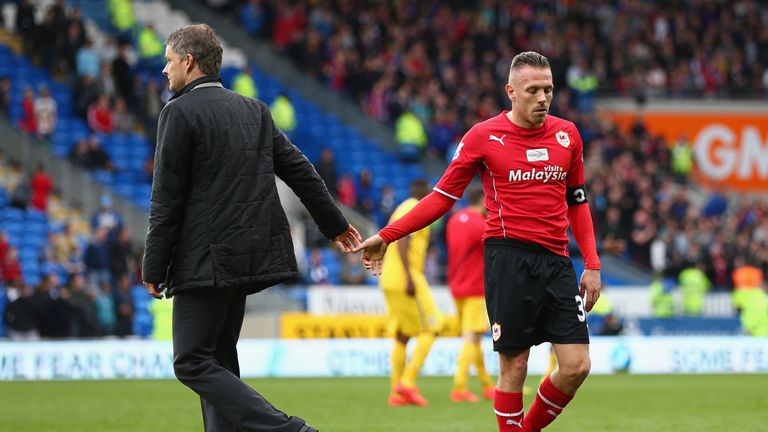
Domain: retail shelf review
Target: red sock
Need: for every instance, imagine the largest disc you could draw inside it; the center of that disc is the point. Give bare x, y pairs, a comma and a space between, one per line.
509, 411
549, 403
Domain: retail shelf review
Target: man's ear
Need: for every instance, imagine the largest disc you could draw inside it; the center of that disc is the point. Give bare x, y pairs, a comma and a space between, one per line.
510, 92
190, 62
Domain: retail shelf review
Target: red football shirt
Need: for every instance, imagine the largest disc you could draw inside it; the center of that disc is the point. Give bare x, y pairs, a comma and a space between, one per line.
525, 173
464, 235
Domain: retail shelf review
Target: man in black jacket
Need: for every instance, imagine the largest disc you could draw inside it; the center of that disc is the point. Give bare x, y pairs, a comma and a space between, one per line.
217, 231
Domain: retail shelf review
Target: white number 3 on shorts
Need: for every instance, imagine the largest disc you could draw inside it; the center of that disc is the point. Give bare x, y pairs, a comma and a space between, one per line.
582, 315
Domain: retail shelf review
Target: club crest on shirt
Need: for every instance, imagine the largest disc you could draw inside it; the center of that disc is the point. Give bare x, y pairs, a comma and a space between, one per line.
496, 331
563, 139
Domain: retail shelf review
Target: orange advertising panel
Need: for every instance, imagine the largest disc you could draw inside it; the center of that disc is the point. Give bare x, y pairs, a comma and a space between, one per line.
729, 149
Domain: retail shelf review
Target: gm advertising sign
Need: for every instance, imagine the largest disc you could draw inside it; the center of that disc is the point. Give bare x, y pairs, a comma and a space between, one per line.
730, 149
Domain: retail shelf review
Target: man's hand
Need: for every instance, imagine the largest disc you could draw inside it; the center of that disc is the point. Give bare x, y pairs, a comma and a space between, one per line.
410, 287
590, 287
348, 240
152, 290
373, 252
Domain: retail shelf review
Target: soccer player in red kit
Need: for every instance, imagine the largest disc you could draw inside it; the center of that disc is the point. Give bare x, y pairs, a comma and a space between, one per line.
532, 171
464, 238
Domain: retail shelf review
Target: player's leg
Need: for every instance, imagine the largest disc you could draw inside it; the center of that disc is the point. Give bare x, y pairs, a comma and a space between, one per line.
508, 400
397, 363
557, 390
574, 366
489, 389
478, 325
200, 318
460, 391
430, 322
566, 327
397, 316
552, 365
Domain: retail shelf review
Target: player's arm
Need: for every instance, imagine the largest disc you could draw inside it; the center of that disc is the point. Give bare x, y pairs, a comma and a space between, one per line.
580, 221
430, 208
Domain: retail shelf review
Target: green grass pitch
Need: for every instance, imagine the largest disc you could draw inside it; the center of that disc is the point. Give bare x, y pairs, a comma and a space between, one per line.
623, 403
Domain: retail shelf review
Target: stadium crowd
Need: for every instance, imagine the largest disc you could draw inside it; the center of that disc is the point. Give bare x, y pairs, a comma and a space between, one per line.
439, 60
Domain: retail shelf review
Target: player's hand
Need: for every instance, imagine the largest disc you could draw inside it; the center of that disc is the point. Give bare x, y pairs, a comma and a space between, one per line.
410, 288
348, 240
152, 290
590, 287
373, 253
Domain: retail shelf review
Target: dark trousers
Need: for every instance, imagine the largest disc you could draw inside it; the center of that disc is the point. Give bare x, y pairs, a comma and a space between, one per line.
206, 327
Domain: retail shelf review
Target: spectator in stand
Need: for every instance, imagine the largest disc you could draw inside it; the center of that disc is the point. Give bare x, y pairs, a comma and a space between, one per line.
73, 42
5, 95
87, 60
121, 73
366, 196
317, 272
123, 118
149, 107
21, 317
47, 37
107, 218
84, 95
121, 254
75, 264
243, 83
64, 243
124, 306
410, 136
107, 52
45, 108
26, 25
123, 18
105, 309
97, 158
85, 323
150, 48
4, 246
253, 17
105, 83
387, 205
78, 155
283, 113
352, 273
444, 132
27, 122
346, 192
97, 258
11, 267
21, 194
42, 184
100, 117
54, 311
75, 20
326, 168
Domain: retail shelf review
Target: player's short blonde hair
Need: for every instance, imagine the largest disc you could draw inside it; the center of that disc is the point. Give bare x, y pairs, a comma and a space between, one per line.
528, 58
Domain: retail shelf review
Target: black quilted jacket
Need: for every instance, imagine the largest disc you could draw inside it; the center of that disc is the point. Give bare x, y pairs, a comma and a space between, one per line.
215, 220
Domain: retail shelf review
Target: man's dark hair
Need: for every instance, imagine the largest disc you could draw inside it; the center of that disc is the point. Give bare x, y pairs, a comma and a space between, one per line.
201, 42
476, 196
528, 58
420, 188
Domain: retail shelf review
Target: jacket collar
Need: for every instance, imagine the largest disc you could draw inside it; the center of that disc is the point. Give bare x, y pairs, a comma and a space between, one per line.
202, 80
